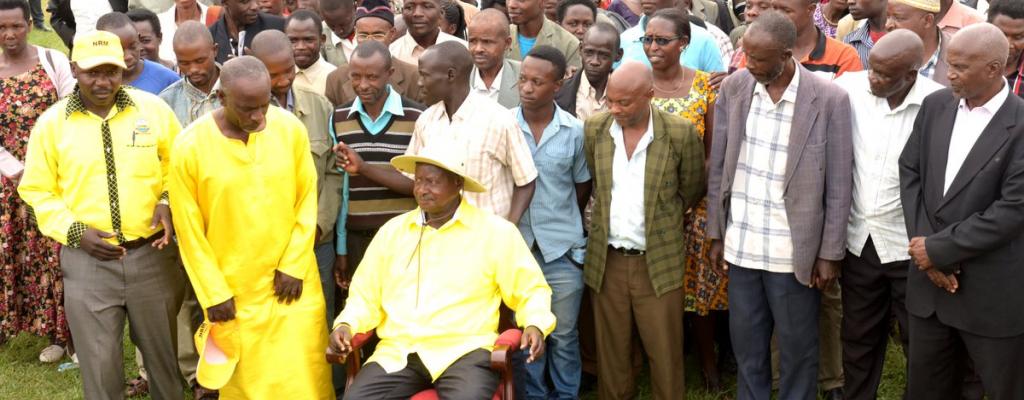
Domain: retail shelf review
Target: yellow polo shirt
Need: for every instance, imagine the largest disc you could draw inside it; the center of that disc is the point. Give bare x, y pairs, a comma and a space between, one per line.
437, 292
82, 170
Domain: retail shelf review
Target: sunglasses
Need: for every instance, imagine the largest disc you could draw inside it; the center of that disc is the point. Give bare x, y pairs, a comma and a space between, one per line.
647, 40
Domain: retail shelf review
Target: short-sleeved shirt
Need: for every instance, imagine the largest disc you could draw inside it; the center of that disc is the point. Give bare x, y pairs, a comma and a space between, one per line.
154, 78
701, 54
496, 155
553, 220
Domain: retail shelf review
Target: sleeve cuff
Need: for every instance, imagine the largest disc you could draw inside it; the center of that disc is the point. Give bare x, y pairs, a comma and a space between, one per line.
165, 199
75, 233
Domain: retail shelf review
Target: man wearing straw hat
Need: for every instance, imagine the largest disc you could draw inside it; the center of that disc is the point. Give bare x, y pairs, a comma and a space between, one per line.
431, 283
96, 178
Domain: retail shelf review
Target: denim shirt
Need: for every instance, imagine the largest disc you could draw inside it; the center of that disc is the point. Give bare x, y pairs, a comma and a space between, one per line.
553, 220
188, 102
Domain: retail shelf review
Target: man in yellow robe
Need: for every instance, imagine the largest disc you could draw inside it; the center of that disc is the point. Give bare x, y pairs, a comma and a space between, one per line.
243, 194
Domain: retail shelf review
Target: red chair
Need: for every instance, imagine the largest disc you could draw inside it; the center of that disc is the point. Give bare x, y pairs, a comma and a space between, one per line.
505, 345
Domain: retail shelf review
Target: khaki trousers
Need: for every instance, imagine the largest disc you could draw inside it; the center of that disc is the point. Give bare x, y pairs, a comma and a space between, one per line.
627, 303
144, 289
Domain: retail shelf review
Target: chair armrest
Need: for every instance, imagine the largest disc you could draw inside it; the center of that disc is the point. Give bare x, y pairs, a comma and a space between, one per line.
358, 341
506, 344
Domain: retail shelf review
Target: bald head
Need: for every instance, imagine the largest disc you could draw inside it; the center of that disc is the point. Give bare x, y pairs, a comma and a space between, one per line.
244, 87
192, 32
491, 19
995, 48
900, 46
632, 76
269, 43
976, 57
450, 55
242, 72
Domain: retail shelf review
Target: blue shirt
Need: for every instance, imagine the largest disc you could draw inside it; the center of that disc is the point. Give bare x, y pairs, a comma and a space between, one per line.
525, 45
154, 78
392, 107
553, 219
701, 54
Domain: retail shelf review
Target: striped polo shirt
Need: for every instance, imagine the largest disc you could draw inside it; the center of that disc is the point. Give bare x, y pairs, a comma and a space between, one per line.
370, 204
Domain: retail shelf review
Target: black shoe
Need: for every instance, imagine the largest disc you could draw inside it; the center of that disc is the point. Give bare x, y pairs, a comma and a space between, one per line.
833, 394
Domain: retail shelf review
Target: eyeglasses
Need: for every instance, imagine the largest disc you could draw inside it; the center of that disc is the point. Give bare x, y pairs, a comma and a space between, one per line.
371, 36
647, 40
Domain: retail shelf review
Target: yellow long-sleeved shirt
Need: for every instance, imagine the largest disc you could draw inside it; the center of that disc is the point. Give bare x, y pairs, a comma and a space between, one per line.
70, 181
442, 301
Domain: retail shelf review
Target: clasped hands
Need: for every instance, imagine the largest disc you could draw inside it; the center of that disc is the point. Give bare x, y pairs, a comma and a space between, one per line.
919, 254
340, 343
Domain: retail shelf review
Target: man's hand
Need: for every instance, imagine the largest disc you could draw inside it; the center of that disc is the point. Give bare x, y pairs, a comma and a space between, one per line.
534, 340
348, 159
93, 244
286, 288
918, 252
716, 78
824, 274
340, 342
222, 312
162, 216
943, 281
717, 258
341, 272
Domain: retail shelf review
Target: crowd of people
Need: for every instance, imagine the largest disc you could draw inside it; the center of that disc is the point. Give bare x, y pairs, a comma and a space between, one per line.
255, 187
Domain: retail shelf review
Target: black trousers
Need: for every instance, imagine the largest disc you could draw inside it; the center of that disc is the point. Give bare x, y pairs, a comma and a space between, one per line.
469, 378
938, 362
872, 293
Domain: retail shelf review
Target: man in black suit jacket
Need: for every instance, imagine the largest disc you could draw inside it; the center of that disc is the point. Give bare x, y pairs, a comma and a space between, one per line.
962, 188
240, 20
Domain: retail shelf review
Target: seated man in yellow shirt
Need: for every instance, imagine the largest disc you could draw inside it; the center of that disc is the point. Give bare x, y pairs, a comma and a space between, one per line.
431, 284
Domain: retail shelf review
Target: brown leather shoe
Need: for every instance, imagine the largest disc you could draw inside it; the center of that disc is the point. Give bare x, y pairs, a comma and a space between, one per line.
201, 393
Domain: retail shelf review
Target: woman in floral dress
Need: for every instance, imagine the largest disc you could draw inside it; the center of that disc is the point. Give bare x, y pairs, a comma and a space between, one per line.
687, 93
31, 290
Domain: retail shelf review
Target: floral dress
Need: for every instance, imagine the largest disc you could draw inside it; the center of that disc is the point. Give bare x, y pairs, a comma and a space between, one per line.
31, 288
705, 288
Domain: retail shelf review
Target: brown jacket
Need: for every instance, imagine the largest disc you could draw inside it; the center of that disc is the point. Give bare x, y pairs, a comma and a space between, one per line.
405, 80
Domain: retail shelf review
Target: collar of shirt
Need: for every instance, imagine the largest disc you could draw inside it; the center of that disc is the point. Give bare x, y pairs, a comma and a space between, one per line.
465, 216
465, 110
914, 98
289, 102
819, 46
195, 92
392, 107
554, 127
861, 35
314, 69
616, 132
929, 68
791, 90
992, 105
479, 85
121, 101
588, 89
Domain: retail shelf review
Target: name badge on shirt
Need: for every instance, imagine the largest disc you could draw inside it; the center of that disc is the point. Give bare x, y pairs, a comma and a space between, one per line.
141, 132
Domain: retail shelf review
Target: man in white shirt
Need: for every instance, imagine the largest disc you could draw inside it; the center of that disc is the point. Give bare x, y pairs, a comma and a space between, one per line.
423, 19
885, 101
493, 75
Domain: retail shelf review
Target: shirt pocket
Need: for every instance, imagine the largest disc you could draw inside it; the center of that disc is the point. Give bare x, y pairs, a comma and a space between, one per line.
141, 156
320, 148
557, 155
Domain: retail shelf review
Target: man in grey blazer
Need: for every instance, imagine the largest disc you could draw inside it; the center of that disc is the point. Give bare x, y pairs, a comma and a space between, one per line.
493, 75
779, 194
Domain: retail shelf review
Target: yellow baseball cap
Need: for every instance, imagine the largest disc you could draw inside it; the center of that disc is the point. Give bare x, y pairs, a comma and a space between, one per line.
97, 48
218, 345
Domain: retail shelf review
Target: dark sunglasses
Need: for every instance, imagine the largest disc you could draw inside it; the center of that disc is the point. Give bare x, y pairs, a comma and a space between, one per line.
647, 40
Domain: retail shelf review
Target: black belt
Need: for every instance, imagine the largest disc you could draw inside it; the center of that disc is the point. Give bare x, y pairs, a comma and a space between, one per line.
134, 244
628, 252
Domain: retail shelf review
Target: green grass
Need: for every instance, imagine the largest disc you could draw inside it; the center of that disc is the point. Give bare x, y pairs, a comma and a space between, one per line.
23, 377
47, 39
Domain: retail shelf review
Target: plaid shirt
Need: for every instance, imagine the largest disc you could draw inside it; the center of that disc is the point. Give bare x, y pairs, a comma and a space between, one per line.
496, 151
757, 235
928, 70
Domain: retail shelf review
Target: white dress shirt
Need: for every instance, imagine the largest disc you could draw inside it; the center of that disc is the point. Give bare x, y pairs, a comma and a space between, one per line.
314, 78
879, 135
966, 130
481, 88
626, 214
406, 48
